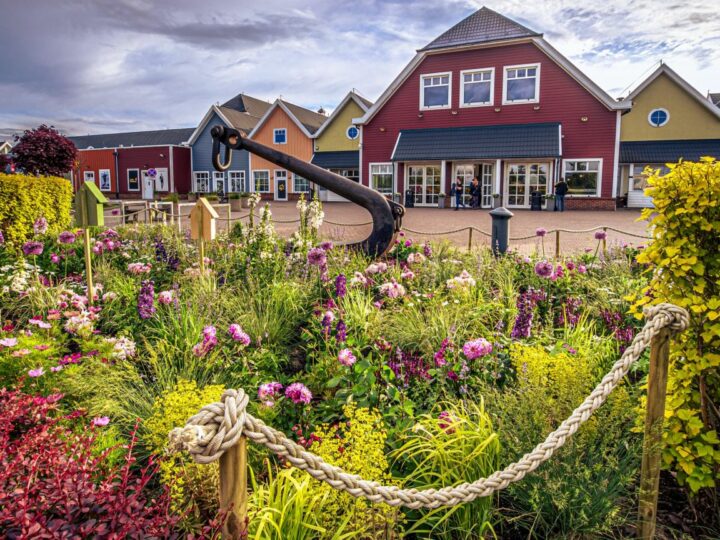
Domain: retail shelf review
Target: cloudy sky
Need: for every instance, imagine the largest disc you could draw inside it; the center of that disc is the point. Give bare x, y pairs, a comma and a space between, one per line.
95, 66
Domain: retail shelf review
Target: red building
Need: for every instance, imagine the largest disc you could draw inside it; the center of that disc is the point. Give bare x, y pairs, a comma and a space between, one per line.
491, 99
119, 163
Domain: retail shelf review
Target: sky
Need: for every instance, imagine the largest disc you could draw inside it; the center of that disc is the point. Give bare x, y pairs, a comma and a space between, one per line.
99, 66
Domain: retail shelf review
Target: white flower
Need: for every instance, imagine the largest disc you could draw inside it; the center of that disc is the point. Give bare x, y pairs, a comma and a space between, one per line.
123, 348
359, 279
462, 281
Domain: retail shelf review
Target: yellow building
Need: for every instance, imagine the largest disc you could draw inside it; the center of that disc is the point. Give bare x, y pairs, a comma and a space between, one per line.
337, 142
669, 120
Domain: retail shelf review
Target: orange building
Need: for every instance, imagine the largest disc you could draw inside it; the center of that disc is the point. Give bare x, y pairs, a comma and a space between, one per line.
289, 129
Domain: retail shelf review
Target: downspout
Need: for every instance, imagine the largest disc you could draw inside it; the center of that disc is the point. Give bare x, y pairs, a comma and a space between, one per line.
117, 174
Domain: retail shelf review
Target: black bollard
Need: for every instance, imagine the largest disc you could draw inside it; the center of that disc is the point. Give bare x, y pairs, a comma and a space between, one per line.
500, 230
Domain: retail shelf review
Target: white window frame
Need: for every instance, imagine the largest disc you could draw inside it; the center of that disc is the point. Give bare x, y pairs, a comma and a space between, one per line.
100, 177
217, 175
392, 174
658, 125
127, 179
461, 95
599, 173
234, 176
195, 181
424, 76
347, 133
89, 176
505, 100
294, 189
254, 187
278, 130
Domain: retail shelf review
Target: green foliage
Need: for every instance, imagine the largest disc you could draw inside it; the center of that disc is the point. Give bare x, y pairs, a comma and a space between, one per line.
686, 272
23, 199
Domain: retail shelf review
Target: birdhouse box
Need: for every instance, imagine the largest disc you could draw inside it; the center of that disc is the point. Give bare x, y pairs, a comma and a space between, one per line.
89, 206
202, 221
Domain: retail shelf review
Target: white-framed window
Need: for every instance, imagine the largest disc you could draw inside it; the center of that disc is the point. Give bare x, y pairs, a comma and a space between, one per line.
219, 181
381, 177
202, 181
521, 84
583, 176
658, 117
352, 133
280, 136
261, 181
435, 90
105, 184
300, 184
477, 87
89, 176
350, 174
638, 178
237, 181
133, 179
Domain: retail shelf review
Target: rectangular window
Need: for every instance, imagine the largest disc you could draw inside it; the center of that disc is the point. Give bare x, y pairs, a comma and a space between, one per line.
261, 179
638, 180
435, 91
381, 177
522, 84
300, 184
583, 176
219, 181
280, 136
476, 87
133, 179
89, 176
237, 181
350, 174
105, 180
202, 182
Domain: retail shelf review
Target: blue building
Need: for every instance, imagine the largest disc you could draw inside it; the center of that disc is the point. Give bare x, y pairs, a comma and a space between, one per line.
242, 113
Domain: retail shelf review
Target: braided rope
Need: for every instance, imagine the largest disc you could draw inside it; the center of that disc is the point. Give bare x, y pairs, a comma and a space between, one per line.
218, 426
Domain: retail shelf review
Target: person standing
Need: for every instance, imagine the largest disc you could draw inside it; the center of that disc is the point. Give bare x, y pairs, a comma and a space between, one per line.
475, 193
561, 189
457, 190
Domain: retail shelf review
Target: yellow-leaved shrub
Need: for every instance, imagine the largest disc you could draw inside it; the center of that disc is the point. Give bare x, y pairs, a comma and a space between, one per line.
24, 198
684, 258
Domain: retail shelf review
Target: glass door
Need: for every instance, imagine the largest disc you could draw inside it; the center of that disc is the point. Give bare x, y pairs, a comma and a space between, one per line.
516, 188
538, 179
424, 182
432, 185
465, 173
281, 185
486, 179
415, 183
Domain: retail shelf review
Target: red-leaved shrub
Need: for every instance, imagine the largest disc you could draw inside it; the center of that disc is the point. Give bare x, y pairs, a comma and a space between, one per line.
52, 484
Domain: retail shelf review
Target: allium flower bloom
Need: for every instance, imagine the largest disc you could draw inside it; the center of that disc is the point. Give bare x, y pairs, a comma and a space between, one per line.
461, 281
540, 231
66, 237
40, 226
476, 348
38, 372
544, 269
138, 268
100, 421
208, 342
600, 235
376, 268
408, 274
146, 300
346, 357
340, 286
570, 265
327, 246
392, 289
298, 393
166, 297
317, 257
237, 334
33, 248
268, 392
581, 269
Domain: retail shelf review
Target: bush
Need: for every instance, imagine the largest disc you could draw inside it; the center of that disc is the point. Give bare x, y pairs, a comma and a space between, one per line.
23, 199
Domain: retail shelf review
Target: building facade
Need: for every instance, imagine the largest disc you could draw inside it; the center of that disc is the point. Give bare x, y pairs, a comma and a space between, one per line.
491, 99
670, 120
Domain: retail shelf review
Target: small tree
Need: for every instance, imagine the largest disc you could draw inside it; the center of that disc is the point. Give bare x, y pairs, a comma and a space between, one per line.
43, 151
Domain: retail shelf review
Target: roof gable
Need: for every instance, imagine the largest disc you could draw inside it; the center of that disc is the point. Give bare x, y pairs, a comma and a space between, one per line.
483, 26
248, 105
306, 120
351, 96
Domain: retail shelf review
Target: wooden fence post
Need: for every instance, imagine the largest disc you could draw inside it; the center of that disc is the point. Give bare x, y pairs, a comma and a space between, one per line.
470, 231
652, 443
557, 244
233, 489
229, 218
604, 243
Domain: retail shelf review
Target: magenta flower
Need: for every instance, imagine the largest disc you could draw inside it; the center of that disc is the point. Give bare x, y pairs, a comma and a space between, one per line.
298, 393
317, 257
208, 342
33, 248
476, 348
544, 269
146, 300
166, 297
581, 269
100, 421
540, 231
39, 372
66, 237
445, 422
2, 238
237, 334
340, 286
600, 235
327, 246
268, 392
40, 226
346, 357
41, 347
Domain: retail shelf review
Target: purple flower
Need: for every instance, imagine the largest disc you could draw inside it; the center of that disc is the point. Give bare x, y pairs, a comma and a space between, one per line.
146, 300
341, 331
33, 248
525, 305
268, 392
40, 226
2, 238
540, 231
54, 258
208, 342
236, 332
298, 393
66, 237
55, 369
317, 257
581, 269
39, 372
328, 318
115, 212
346, 357
427, 250
476, 348
340, 285
544, 269
600, 235
100, 421
327, 246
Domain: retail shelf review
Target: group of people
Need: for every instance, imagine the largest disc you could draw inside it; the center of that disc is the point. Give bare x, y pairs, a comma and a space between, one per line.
458, 191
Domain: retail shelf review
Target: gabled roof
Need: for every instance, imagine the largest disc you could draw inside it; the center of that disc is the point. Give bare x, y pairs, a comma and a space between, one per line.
306, 120
161, 137
242, 112
714, 98
668, 151
664, 69
248, 104
339, 159
483, 26
5, 144
361, 102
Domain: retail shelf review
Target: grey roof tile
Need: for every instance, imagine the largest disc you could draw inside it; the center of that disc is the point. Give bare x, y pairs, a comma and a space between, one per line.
714, 98
310, 119
337, 160
668, 151
160, 137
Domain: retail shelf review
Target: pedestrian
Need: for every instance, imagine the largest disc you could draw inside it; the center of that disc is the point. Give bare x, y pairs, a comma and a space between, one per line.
475, 193
457, 191
561, 189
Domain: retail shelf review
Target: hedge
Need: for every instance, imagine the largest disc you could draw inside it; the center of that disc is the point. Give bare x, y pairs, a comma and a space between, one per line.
23, 199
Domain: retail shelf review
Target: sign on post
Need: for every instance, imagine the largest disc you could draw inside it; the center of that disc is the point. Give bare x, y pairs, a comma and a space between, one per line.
89, 212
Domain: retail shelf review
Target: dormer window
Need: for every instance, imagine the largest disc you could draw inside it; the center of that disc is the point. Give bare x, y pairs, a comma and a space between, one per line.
521, 84
435, 91
280, 136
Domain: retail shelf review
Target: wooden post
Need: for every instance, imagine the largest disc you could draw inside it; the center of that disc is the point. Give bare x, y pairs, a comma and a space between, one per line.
88, 266
557, 244
652, 443
233, 489
201, 244
229, 214
604, 243
470, 231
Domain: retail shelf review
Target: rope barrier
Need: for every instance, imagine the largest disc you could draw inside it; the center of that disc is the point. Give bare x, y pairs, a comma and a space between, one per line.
219, 426
446, 232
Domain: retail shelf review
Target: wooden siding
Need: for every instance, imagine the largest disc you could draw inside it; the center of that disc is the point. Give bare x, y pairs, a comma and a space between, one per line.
562, 99
334, 137
181, 169
150, 157
94, 160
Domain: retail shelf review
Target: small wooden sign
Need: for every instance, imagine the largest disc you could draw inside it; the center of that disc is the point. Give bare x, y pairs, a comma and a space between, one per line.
89, 206
202, 221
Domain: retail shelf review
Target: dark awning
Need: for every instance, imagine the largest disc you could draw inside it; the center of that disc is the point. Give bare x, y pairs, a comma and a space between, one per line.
668, 151
337, 160
479, 142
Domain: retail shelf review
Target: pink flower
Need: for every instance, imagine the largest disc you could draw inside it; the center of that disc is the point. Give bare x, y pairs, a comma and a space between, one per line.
37, 321
582, 269
139, 268
54, 258
166, 297
544, 269
392, 289
100, 421
20, 353
66, 237
445, 422
570, 265
298, 393
540, 231
268, 392
40, 226
39, 372
236, 332
41, 347
477, 348
55, 369
408, 274
8, 342
346, 357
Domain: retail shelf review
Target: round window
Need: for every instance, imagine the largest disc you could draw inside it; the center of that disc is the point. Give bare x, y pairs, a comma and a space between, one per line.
658, 117
352, 132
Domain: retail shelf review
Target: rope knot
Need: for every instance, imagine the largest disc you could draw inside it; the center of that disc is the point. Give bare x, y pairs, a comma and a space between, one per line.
677, 318
217, 427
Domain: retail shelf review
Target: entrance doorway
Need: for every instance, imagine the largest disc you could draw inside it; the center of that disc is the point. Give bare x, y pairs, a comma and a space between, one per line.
148, 192
424, 182
484, 173
281, 185
522, 180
